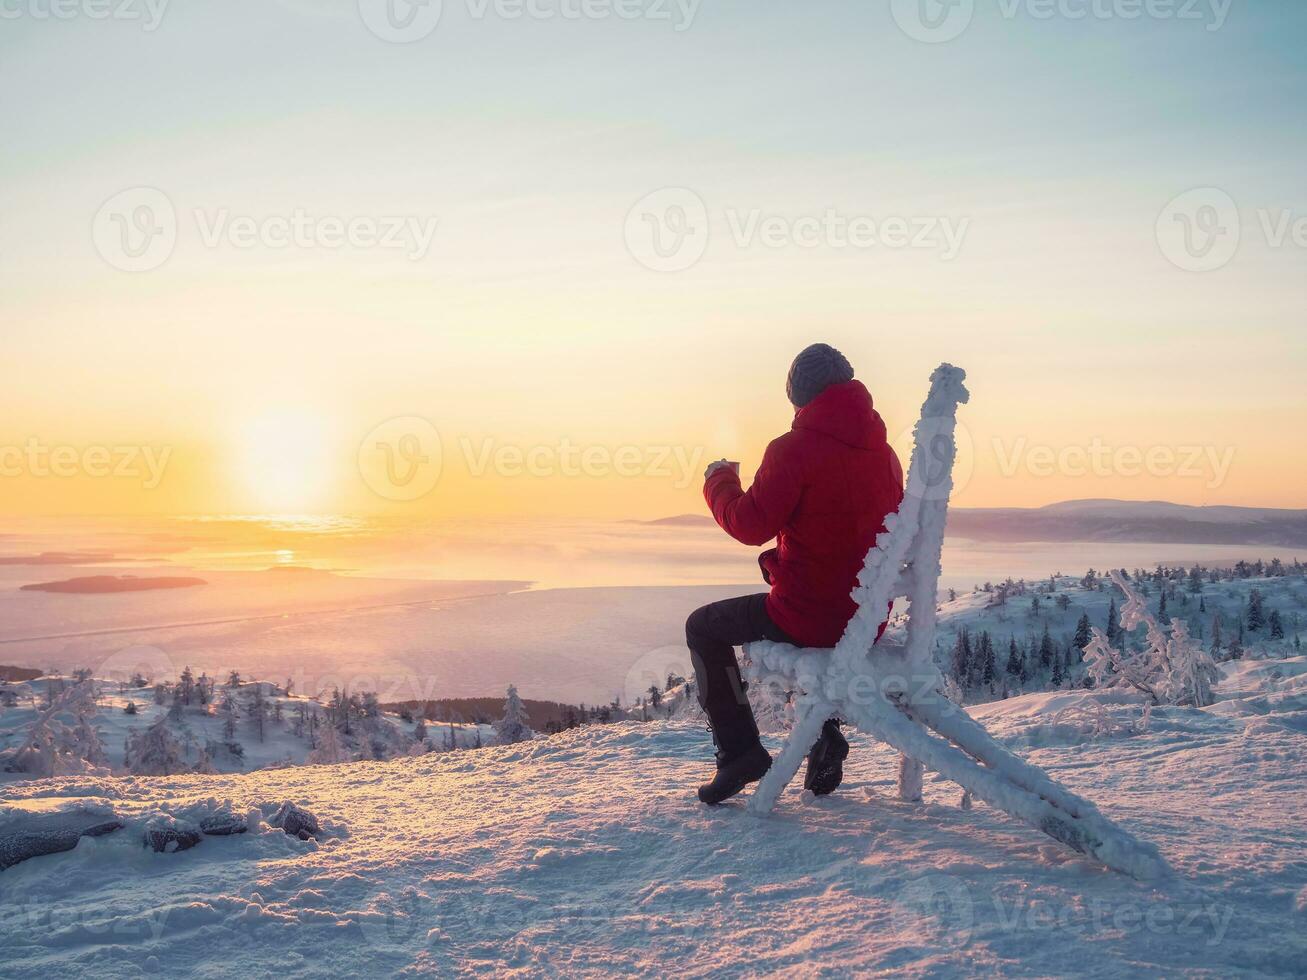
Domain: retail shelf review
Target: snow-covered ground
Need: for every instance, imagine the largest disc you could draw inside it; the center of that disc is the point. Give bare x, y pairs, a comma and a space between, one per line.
287, 736
586, 854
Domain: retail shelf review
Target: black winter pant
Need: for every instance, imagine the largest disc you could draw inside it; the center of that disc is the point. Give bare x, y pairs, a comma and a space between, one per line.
712, 632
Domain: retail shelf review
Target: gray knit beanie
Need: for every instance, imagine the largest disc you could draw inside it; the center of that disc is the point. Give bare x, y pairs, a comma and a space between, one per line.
813, 370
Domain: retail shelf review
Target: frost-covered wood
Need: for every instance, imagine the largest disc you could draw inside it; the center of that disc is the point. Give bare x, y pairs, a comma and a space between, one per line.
896, 693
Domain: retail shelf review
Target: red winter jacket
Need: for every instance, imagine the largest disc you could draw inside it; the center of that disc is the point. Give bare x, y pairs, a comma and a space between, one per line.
823, 491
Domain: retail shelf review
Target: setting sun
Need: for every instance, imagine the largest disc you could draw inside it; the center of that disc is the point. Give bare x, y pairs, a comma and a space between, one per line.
283, 460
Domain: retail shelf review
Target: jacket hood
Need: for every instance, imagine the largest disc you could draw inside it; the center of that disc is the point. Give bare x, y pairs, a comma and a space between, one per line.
844, 412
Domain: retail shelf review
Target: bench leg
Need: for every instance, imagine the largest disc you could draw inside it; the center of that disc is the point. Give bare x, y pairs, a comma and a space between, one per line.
910, 777
807, 729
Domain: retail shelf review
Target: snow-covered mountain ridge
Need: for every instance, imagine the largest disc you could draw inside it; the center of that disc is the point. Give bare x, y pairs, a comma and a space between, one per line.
586, 854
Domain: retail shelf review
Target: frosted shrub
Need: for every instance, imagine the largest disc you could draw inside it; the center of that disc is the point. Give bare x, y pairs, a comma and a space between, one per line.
1171, 669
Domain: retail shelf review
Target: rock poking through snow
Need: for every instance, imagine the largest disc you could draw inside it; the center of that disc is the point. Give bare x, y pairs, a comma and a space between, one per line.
295, 821
165, 834
28, 831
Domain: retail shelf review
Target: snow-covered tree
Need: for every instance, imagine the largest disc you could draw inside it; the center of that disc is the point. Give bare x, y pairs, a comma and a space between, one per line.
1171, 669
154, 752
62, 740
515, 726
1192, 671
330, 749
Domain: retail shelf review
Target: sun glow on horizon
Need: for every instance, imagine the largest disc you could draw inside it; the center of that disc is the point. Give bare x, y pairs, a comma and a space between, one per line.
284, 460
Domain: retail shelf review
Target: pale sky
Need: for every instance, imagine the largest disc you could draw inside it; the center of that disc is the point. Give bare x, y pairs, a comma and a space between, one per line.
1048, 148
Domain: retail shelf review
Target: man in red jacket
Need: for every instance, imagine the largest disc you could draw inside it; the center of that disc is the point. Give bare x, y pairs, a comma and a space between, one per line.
823, 492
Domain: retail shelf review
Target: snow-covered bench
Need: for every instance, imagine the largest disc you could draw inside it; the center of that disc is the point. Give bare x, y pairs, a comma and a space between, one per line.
894, 692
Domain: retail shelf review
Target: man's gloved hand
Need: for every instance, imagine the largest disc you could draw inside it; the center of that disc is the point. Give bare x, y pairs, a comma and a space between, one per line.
714, 467
765, 561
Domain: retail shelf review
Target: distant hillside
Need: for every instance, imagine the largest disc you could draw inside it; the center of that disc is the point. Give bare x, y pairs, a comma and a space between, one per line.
1108, 521
101, 584
680, 520
17, 675
1131, 521
483, 710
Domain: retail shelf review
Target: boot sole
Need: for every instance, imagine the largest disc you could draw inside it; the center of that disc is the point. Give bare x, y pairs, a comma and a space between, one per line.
824, 775
734, 789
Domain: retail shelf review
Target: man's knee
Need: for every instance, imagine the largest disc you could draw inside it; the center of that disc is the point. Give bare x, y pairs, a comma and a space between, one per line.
696, 626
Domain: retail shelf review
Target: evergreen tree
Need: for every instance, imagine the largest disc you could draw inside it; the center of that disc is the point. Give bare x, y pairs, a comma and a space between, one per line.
227, 710
258, 711
1161, 607
1236, 644
329, 750
1113, 630
1013, 658
515, 726
1217, 639
961, 660
1256, 612
1084, 633
1046, 649
989, 672
1277, 627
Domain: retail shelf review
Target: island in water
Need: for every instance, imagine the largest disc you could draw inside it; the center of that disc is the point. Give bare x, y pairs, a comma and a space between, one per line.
100, 584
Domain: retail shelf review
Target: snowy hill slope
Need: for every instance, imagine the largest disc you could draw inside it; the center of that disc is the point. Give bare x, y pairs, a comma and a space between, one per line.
586, 854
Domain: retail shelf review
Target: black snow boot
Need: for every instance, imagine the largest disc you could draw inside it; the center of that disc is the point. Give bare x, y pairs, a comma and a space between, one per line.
826, 760
741, 758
